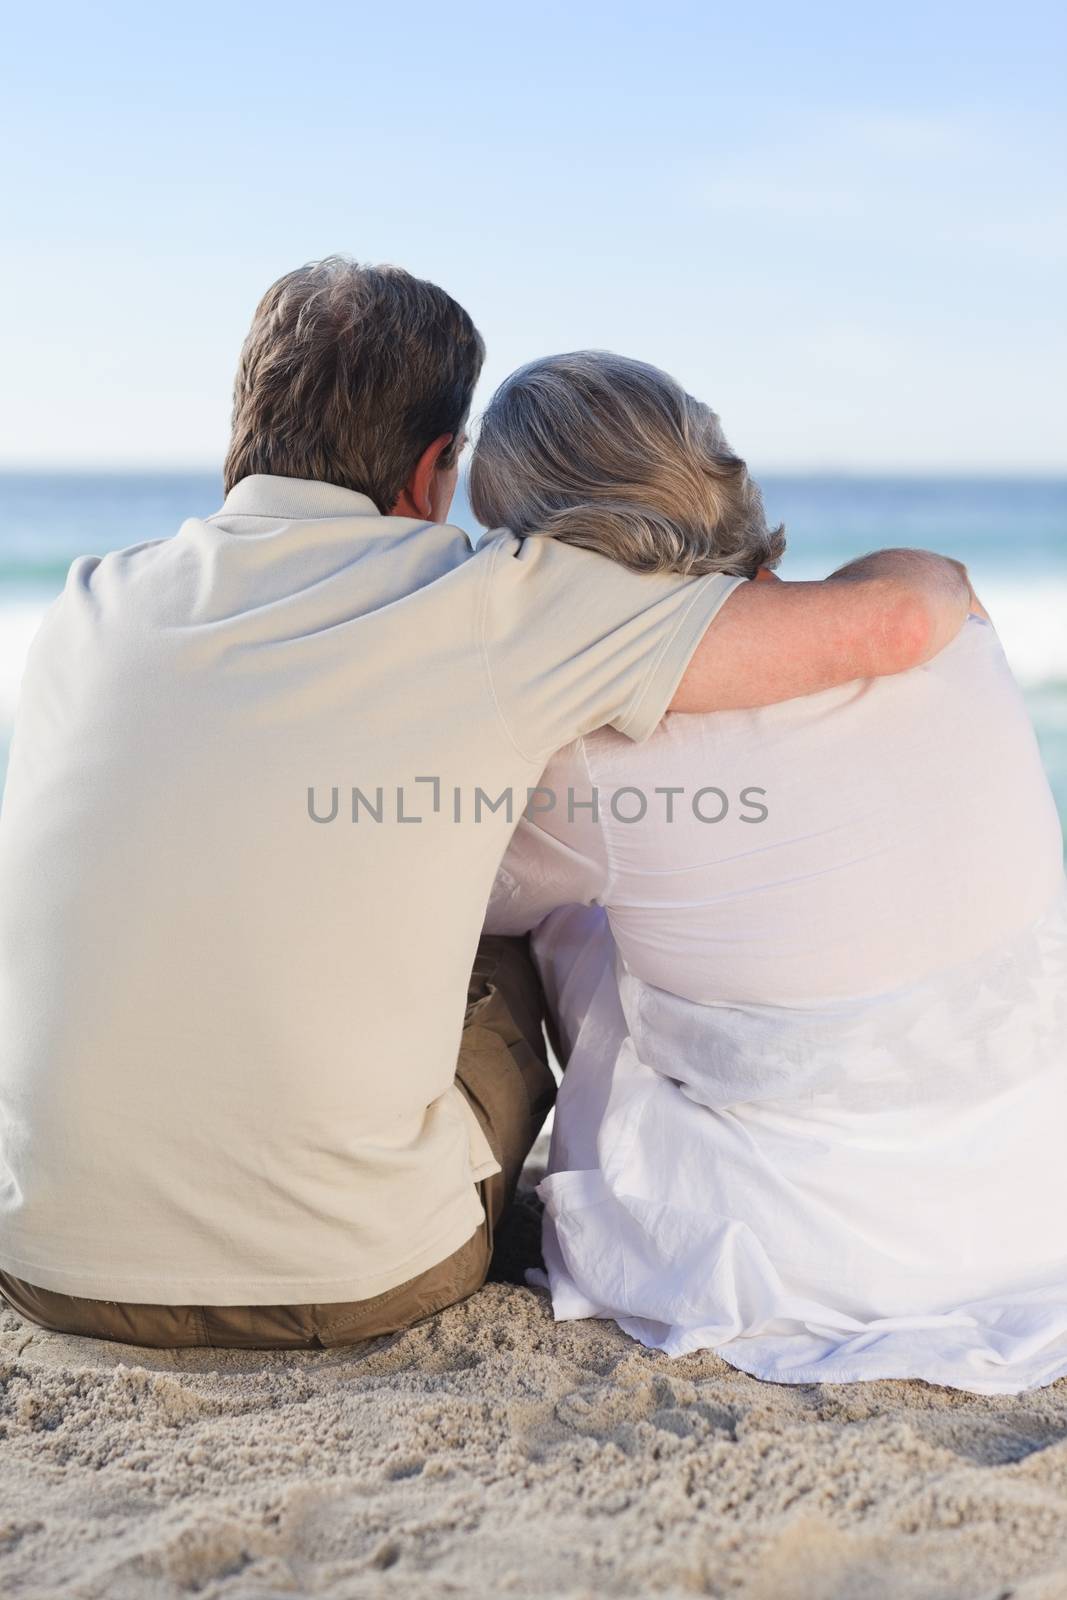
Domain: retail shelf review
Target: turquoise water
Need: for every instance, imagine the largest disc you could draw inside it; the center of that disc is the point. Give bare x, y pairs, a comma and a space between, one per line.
1012, 533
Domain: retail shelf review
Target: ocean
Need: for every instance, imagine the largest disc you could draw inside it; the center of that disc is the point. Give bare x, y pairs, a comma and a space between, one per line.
1012, 533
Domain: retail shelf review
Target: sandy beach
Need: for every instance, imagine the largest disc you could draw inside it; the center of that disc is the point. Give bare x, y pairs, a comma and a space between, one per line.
493, 1451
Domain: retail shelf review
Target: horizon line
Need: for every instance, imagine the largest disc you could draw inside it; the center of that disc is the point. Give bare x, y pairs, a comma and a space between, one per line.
1044, 473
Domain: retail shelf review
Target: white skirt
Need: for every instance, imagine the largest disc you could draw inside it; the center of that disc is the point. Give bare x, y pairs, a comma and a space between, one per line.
871, 1189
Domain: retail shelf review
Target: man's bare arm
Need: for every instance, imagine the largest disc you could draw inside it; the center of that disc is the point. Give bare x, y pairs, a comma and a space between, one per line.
881, 614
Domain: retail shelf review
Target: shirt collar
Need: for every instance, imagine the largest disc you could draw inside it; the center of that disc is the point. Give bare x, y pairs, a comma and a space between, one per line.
264, 495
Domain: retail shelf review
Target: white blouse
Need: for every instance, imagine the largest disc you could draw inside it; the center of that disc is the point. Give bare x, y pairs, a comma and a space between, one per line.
815, 1109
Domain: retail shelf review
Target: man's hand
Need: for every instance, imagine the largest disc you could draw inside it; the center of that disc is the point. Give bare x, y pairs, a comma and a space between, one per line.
882, 614
906, 562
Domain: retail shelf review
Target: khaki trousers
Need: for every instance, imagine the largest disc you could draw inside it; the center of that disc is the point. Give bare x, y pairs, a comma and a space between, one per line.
503, 1071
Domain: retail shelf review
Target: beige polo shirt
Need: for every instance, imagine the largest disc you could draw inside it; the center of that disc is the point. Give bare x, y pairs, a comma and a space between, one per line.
243, 869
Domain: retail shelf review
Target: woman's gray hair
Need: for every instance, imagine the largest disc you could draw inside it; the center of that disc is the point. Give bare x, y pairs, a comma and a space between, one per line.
613, 455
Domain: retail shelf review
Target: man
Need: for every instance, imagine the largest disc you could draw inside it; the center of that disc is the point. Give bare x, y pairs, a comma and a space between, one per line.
262, 776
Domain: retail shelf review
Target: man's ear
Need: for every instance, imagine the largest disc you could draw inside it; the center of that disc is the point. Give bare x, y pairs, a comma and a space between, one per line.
415, 498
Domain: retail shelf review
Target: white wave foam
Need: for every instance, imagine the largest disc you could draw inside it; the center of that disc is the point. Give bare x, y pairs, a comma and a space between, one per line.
1032, 624
19, 621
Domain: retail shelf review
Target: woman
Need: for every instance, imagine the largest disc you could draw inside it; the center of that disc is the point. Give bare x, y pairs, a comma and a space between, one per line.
809, 962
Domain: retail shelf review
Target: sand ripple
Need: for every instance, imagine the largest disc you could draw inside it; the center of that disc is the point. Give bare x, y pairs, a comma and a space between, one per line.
493, 1452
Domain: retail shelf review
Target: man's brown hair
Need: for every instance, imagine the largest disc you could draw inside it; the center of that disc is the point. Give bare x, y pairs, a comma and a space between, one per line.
347, 374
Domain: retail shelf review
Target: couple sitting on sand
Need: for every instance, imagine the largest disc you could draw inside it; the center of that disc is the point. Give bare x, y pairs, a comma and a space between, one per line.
790, 865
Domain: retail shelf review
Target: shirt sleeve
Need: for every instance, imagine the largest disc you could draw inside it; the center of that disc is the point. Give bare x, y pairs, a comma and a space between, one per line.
573, 641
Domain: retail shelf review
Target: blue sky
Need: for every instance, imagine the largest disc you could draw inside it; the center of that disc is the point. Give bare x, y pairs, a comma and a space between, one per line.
841, 224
